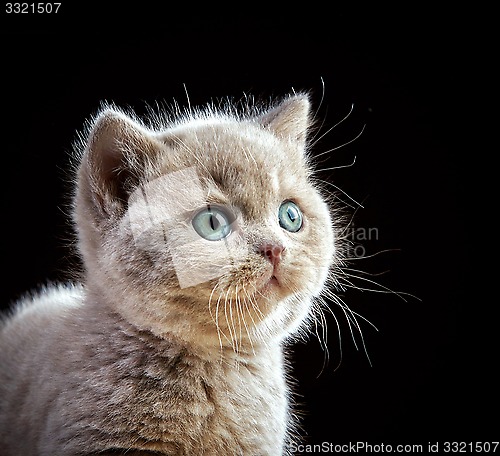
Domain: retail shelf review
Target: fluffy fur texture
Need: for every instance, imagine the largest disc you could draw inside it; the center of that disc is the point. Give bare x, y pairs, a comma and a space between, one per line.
174, 344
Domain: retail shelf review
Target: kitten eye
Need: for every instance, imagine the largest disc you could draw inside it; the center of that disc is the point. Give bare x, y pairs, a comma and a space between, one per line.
290, 216
213, 223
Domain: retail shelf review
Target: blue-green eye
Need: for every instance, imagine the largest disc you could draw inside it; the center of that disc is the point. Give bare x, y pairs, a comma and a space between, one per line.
213, 223
290, 216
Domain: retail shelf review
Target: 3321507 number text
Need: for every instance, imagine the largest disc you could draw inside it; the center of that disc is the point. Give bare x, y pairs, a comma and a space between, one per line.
32, 8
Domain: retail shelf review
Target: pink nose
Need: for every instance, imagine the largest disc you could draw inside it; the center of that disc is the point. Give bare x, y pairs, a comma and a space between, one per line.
272, 251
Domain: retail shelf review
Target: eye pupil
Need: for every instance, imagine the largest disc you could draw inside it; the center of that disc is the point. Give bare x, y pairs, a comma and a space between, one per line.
214, 223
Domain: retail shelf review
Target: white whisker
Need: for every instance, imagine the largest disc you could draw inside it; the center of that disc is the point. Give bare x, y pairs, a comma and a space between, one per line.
323, 339
338, 167
340, 147
384, 289
344, 193
229, 319
238, 315
351, 317
215, 319
371, 256
244, 301
187, 98
319, 105
316, 140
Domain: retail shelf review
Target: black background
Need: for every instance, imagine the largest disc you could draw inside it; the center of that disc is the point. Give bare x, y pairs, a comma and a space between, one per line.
406, 71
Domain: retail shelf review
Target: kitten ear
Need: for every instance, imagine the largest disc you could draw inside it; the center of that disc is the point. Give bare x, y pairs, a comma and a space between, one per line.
116, 148
290, 119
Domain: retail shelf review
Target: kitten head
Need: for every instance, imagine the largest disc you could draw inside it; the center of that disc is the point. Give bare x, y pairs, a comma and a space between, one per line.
207, 228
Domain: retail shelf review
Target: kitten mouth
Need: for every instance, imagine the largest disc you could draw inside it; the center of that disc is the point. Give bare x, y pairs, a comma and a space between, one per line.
266, 283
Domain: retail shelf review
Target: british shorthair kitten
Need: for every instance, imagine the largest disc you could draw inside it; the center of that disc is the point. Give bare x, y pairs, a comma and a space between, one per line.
206, 245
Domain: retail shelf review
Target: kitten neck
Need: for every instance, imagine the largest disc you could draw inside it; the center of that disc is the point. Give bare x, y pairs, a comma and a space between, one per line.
203, 339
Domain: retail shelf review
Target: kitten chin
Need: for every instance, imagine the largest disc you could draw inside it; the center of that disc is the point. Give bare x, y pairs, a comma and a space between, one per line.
205, 244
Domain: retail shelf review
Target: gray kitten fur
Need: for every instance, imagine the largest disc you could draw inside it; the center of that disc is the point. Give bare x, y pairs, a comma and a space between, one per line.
133, 362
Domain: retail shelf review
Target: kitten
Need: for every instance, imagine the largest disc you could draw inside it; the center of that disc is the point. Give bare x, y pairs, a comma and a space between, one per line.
205, 244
